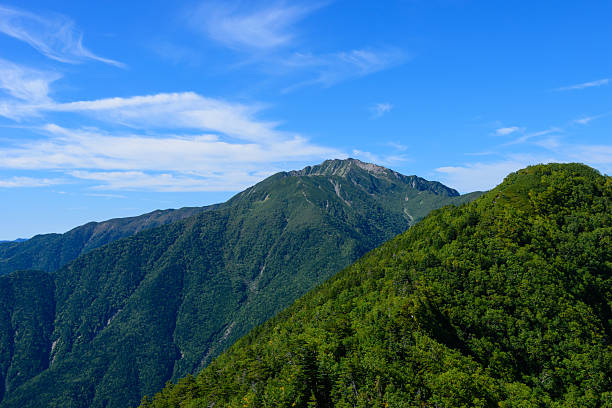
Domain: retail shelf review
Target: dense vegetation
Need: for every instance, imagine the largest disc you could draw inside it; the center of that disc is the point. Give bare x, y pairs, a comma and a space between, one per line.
49, 252
502, 302
26, 322
153, 307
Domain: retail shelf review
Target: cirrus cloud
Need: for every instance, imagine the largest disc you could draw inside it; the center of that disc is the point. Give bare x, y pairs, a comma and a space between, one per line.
507, 130
592, 84
54, 36
255, 28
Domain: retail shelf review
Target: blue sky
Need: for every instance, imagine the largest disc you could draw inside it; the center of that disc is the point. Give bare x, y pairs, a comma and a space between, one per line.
112, 109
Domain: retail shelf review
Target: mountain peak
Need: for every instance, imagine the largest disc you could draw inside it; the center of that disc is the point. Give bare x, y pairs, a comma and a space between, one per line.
355, 170
341, 167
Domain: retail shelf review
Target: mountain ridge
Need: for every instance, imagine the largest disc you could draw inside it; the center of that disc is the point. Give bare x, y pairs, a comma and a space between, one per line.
506, 301
48, 252
162, 303
344, 168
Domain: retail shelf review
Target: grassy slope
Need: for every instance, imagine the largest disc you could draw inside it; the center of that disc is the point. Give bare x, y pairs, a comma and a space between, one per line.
503, 302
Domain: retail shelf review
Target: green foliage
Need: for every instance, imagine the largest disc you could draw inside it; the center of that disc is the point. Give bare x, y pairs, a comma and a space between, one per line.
49, 252
504, 302
163, 303
26, 324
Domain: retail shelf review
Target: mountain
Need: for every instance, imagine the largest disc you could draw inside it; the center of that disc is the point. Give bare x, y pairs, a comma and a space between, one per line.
49, 252
15, 240
504, 302
160, 304
27, 311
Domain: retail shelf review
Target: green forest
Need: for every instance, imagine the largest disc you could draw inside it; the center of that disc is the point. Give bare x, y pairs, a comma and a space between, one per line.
49, 252
503, 302
123, 319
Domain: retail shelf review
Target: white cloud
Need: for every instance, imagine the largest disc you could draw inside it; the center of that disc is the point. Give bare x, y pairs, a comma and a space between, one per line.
380, 109
169, 182
185, 110
162, 163
16, 182
24, 89
486, 175
53, 36
387, 160
600, 82
532, 135
593, 155
25, 83
482, 176
330, 69
397, 146
268, 34
232, 149
507, 130
552, 143
236, 26
478, 176
585, 120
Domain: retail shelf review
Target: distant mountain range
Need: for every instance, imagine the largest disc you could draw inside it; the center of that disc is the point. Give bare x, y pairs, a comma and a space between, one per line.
49, 252
121, 307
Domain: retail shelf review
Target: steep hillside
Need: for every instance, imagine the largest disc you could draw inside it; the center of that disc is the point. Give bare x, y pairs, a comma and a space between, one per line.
49, 252
27, 310
506, 301
163, 303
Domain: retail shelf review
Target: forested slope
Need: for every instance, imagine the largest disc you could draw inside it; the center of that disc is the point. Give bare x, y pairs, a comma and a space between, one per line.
502, 302
163, 303
27, 309
49, 252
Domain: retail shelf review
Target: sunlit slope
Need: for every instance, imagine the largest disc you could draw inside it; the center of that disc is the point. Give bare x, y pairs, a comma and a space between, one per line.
502, 302
49, 252
135, 313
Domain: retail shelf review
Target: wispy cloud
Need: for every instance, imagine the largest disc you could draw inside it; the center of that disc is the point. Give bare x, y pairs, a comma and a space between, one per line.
157, 149
25, 83
593, 154
384, 159
54, 36
22, 89
17, 182
600, 82
585, 120
186, 110
167, 182
380, 109
484, 176
507, 130
334, 68
532, 135
397, 146
256, 28
160, 163
266, 35
105, 195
